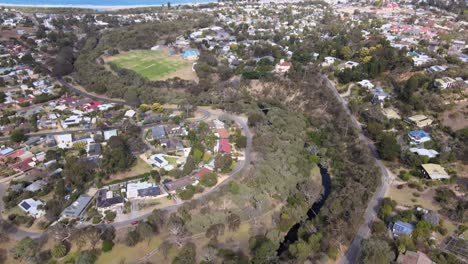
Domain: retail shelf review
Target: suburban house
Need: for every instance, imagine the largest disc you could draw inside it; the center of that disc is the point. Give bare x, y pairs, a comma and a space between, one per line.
158, 160
421, 60
431, 217
402, 228
64, 141
202, 172
282, 67
411, 257
33, 207
350, 64
180, 183
158, 132
366, 83
379, 94
436, 68
425, 152
36, 186
224, 145
105, 200
419, 136
137, 190
172, 144
444, 82
77, 207
419, 121
109, 133
329, 61
390, 113
434, 171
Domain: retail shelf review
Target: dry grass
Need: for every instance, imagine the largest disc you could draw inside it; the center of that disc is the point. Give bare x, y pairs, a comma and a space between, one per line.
405, 197
456, 118
139, 168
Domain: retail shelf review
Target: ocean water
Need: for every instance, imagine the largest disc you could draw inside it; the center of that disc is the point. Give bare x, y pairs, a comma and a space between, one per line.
102, 3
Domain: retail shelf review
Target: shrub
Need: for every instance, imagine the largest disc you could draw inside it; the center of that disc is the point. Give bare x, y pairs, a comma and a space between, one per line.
209, 180
107, 245
59, 250
97, 219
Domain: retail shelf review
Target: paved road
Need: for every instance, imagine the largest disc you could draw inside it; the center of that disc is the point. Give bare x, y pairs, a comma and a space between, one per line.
351, 256
92, 96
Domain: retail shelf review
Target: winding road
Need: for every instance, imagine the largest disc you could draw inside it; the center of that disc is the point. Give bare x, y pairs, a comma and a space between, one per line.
364, 231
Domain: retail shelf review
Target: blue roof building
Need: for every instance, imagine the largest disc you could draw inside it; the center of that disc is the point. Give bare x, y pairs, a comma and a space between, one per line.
402, 228
419, 136
6, 151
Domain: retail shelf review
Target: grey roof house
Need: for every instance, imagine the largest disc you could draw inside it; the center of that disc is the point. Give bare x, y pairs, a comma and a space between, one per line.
402, 228
158, 132
77, 207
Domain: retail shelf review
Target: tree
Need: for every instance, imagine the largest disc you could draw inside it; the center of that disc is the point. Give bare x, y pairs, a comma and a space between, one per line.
26, 249
346, 53
300, 250
59, 250
17, 135
263, 250
156, 220
176, 227
164, 248
116, 156
376, 251
404, 243
388, 147
2, 97
109, 215
223, 162
108, 233
157, 107
186, 255
86, 257
255, 118
215, 230
107, 245
233, 221
209, 180
145, 231
133, 237
53, 209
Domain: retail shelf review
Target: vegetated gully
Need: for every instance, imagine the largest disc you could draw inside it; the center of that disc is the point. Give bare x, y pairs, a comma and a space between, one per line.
292, 235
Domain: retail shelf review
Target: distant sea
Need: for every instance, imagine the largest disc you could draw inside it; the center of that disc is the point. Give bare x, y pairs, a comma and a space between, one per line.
100, 3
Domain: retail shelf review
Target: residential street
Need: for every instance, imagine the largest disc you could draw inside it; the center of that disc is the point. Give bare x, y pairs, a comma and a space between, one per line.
205, 113
351, 256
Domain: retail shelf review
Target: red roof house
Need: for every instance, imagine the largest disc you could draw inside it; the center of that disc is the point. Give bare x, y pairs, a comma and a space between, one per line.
224, 146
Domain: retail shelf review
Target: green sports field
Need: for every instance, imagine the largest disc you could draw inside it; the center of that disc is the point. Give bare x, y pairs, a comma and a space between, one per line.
153, 64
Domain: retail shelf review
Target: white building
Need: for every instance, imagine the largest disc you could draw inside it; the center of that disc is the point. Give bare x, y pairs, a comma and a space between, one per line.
366, 83
64, 141
158, 160
33, 207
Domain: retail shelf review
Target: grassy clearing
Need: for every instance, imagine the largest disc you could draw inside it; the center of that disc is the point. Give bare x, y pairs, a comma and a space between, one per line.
151, 64
405, 197
139, 168
121, 252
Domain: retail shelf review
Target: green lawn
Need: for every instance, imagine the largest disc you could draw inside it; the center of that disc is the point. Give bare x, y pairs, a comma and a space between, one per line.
152, 64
